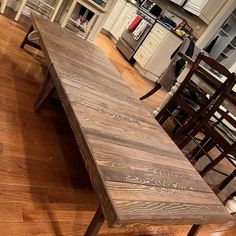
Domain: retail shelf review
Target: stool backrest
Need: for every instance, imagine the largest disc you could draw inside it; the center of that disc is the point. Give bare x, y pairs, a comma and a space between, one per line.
201, 89
220, 122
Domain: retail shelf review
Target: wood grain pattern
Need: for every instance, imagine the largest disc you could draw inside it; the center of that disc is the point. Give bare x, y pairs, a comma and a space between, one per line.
101, 109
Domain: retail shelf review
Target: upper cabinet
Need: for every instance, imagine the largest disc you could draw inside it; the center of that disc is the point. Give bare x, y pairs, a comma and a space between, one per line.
205, 9
178, 2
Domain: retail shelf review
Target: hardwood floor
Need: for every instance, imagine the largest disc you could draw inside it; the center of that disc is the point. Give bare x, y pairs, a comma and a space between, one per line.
44, 188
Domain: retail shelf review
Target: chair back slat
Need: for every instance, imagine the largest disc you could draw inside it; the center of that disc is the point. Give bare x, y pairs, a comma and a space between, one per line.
216, 66
197, 110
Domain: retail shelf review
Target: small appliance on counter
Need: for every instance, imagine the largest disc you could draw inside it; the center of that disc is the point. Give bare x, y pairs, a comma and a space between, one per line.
151, 7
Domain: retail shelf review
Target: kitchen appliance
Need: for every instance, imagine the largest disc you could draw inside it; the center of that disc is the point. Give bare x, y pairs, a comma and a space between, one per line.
127, 44
150, 7
179, 2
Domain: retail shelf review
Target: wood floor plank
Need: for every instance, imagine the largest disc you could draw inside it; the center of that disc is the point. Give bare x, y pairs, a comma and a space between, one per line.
11, 212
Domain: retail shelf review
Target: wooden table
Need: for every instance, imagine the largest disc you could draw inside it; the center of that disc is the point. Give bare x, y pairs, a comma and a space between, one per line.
138, 173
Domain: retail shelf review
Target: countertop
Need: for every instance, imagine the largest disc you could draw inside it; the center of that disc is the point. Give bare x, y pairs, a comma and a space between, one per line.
157, 21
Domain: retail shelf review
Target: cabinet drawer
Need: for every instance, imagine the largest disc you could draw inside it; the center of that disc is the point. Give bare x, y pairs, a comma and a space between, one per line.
142, 56
151, 43
160, 31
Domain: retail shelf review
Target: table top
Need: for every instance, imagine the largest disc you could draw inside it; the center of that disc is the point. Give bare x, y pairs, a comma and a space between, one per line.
138, 173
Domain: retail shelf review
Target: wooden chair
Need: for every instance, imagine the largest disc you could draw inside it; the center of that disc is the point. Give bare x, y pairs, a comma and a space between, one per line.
219, 130
3, 6
190, 103
168, 78
225, 182
41, 6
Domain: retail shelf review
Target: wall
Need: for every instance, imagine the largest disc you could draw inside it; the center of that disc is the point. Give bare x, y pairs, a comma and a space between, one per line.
216, 23
196, 23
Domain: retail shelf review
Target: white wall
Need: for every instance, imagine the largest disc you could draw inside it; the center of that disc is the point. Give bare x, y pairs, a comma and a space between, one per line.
216, 23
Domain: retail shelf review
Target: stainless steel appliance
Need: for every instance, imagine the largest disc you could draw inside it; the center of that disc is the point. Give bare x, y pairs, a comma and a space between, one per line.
148, 5
127, 44
151, 8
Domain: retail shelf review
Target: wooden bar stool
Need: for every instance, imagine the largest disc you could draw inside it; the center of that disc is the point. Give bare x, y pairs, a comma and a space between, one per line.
190, 103
53, 8
3, 6
219, 126
91, 6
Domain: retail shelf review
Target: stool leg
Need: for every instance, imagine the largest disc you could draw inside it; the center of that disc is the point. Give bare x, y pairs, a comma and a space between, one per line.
194, 230
95, 224
56, 10
212, 164
3, 5
69, 13
227, 180
22, 5
207, 144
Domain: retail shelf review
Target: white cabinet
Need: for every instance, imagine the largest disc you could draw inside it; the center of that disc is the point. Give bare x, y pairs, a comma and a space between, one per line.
161, 58
123, 20
205, 9
178, 2
153, 56
195, 6
114, 14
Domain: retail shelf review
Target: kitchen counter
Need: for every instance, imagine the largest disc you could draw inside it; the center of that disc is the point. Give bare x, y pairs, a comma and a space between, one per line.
157, 21
172, 31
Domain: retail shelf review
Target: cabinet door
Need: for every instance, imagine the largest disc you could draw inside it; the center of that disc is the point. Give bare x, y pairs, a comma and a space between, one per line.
211, 9
161, 58
123, 20
142, 56
113, 15
179, 2
195, 6
205, 9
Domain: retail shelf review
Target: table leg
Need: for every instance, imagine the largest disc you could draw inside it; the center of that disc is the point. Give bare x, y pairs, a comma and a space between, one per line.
95, 224
27, 41
194, 230
46, 89
26, 37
